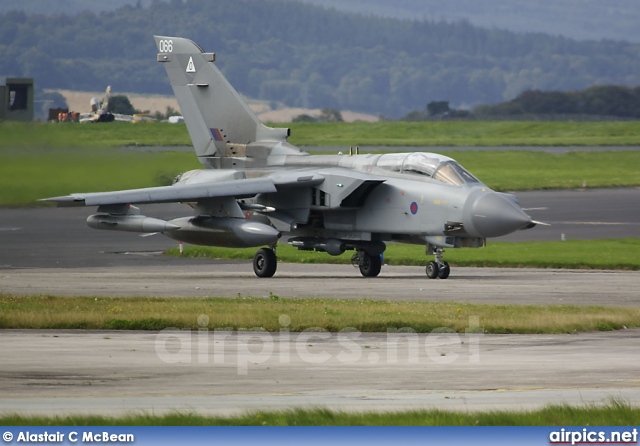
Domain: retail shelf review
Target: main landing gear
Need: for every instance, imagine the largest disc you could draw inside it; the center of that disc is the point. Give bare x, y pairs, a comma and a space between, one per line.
438, 269
265, 262
369, 265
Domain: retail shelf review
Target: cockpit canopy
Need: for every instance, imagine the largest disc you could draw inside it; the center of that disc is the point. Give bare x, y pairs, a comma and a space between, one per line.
429, 165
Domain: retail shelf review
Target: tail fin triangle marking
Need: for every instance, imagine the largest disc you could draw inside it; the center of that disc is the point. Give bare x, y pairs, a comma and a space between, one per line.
191, 68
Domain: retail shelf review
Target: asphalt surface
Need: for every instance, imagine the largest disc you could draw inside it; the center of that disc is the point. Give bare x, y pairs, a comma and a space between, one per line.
395, 283
60, 372
53, 251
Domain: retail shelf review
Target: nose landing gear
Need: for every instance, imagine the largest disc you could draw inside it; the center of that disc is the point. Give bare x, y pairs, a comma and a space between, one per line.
438, 269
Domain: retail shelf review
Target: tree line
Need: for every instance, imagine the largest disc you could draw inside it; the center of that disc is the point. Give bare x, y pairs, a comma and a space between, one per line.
603, 101
307, 56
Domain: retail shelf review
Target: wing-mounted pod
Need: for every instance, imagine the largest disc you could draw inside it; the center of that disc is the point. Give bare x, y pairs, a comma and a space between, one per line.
223, 231
127, 218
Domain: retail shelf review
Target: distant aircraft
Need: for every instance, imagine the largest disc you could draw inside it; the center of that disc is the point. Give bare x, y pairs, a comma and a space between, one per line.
256, 187
100, 112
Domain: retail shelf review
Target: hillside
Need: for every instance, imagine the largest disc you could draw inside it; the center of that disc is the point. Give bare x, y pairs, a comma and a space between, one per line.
67, 6
305, 56
577, 19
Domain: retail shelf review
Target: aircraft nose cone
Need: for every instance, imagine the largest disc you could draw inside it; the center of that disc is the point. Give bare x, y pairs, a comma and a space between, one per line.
493, 216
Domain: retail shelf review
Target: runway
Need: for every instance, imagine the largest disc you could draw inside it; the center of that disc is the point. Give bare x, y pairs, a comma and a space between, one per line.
61, 372
52, 251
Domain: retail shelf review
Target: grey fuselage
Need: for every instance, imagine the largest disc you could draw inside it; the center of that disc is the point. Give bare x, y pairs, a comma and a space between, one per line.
361, 202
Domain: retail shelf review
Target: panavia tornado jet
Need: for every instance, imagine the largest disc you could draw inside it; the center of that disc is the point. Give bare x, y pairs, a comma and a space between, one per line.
256, 188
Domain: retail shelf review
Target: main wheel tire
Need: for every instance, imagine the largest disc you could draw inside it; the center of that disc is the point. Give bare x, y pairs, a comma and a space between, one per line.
444, 271
370, 265
432, 270
265, 263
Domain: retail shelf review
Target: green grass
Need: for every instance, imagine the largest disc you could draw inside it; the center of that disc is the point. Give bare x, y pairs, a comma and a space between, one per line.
460, 133
29, 174
615, 413
466, 133
513, 171
252, 313
91, 135
621, 254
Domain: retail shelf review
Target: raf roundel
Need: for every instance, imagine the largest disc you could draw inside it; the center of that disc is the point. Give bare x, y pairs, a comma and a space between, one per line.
414, 208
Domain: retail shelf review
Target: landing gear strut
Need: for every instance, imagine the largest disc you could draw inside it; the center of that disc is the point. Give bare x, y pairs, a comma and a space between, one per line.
369, 265
438, 268
265, 262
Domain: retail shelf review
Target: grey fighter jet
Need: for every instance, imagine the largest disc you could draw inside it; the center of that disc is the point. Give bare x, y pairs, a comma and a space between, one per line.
256, 188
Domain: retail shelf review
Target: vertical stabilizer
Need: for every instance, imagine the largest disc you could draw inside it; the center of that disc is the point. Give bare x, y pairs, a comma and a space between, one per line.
214, 112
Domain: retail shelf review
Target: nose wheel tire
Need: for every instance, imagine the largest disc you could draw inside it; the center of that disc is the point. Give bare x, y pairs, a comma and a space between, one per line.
435, 271
432, 270
443, 271
265, 263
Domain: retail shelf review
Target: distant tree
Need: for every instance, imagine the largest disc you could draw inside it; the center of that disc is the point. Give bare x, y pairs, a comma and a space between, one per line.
611, 100
459, 114
304, 118
437, 108
120, 104
546, 102
330, 115
170, 111
602, 100
415, 116
435, 111
45, 101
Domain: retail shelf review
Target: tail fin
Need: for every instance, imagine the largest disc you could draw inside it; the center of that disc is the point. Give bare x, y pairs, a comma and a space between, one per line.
214, 112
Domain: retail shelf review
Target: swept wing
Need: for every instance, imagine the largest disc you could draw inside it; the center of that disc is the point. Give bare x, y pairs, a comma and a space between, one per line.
189, 193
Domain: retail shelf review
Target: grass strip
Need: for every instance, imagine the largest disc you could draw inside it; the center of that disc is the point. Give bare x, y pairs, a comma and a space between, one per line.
257, 313
615, 413
340, 134
466, 133
29, 174
90, 135
614, 254
513, 171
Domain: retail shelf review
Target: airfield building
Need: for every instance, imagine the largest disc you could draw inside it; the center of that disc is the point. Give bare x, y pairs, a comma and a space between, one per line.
16, 99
